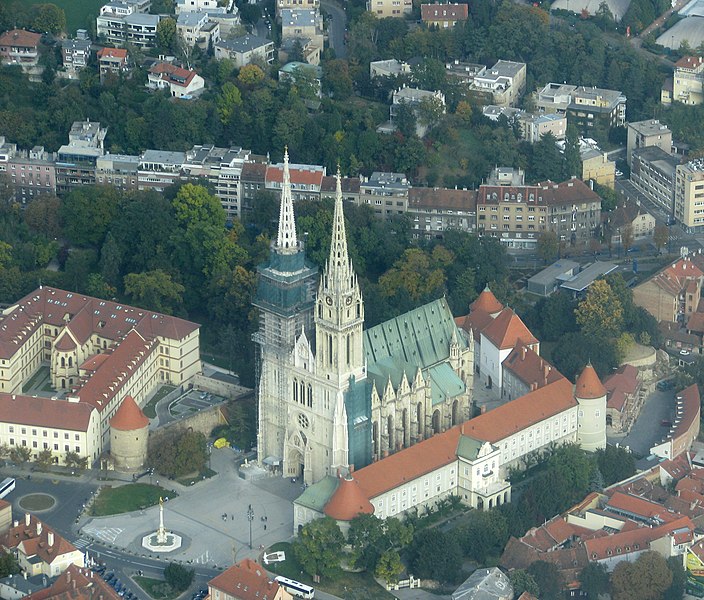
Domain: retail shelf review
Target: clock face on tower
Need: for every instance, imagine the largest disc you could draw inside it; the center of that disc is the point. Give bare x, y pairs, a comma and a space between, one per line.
328, 299
348, 300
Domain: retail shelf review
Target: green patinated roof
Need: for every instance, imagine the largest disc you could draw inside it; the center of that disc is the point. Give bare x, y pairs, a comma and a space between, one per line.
416, 339
468, 447
444, 383
316, 496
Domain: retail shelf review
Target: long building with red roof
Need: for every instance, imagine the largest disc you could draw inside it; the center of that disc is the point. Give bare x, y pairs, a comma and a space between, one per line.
99, 351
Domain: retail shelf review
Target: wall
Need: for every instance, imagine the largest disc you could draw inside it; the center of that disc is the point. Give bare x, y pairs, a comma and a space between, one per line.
219, 388
203, 421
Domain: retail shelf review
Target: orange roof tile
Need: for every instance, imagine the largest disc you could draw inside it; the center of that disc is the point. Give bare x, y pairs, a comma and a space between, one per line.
33, 540
76, 583
640, 507
20, 38
444, 12
531, 368
65, 343
589, 385
690, 402
129, 416
348, 501
245, 580
44, 412
408, 464
620, 386
507, 329
275, 173
487, 302
522, 412
696, 322
689, 62
112, 53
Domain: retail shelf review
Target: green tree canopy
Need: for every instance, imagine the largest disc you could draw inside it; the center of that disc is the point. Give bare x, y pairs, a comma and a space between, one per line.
87, 212
49, 18
154, 290
435, 554
319, 547
646, 579
600, 314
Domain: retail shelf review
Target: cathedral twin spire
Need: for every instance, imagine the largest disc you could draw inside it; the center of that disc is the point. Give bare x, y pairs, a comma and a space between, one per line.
338, 275
286, 241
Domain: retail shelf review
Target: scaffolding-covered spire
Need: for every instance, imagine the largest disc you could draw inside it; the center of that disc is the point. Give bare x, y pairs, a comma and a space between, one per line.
339, 268
286, 241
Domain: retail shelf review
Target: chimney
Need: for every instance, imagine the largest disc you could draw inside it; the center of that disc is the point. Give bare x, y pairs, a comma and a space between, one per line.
39, 527
68, 576
50, 538
546, 370
351, 468
483, 408
15, 523
27, 519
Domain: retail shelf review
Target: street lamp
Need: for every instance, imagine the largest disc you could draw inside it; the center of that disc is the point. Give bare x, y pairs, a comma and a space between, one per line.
250, 518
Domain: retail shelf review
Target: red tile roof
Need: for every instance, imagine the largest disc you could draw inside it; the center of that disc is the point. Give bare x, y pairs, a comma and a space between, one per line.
573, 191
245, 580
522, 412
696, 322
120, 53
349, 185
689, 62
299, 176
33, 540
173, 74
65, 343
589, 385
453, 199
444, 12
507, 329
690, 402
76, 583
487, 302
129, 417
639, 506
20, 38
531, 368
44, 412
621, 385
348, 501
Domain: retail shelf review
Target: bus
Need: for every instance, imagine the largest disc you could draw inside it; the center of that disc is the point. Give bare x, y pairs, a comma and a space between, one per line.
7, 485
296, 588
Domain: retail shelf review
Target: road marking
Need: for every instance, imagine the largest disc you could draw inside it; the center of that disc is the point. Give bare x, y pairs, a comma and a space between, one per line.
106, 534
203, 558
81, 543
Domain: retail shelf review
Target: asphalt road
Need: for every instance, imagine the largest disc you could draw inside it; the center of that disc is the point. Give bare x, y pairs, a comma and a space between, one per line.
337, 27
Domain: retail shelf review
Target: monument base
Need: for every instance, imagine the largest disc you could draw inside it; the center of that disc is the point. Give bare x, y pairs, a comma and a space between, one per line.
161, 543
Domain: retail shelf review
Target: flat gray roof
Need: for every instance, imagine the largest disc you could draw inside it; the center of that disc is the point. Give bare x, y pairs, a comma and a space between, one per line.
302, 17
245, 43
163, 156
689, 28
550, 274
591, 273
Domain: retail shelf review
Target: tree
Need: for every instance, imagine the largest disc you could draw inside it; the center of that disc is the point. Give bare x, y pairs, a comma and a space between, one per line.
74, 460
646, 579
485, 534
661, 235
110, 260
600, 314
319, 547
336, 79
405, 119
154, 290
615, 464
78, 267
20, 454
522, 581
42, 216
228, 103
594, 580
679, 579
415, 274
87, 212
548, 245
44, 458
435, 554
548, 579
370, 537
175, 454
389, 567
8, 565
178, 576
627, 237
166, 34
250, 75
49, 18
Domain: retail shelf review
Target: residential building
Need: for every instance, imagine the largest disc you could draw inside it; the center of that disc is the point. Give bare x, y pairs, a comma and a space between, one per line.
349, 186
390, 8
435, 210
584, 106
305, 181
112, 61
653, 173
673, 293
516, 215
76, 161
196, 29
387, 193
626, 396
485, 584
597, 167
39, 550
77, 583
246, 49
629, 222
503, 84
196, 6
180, 83
685, 427
534, 127
141, 29
414, 98
388, 68
76, 53
646, 134
98, 351
301, 23
122, 21
524, 371
494, 113
443, 16
689, 195
282, 5
549, 279
222, 168
110, 25
31, 173
315, 73
463, 72
118, 170
310, 49
158, 169
252, 180
20, 47
687, 80
245, 580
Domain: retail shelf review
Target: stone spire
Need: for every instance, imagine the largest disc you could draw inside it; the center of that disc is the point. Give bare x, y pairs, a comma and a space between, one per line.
338, 271
286, 242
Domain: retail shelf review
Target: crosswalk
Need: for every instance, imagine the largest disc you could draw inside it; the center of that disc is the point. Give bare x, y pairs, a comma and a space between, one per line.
105, 534
82, 543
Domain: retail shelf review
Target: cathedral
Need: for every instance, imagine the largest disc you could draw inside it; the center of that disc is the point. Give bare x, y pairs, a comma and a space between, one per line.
332, 396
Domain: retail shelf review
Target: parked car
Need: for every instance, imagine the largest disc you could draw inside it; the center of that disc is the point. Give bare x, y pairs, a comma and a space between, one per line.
665, 384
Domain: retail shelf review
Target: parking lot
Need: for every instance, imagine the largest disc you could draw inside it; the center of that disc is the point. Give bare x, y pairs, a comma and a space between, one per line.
192, 402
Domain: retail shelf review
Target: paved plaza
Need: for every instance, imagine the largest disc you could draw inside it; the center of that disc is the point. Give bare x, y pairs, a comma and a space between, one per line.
197, 515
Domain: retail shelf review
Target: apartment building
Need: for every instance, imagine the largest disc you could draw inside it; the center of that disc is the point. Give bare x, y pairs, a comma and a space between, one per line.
76, 53
464, 72
158, 169
645, 134
196, 29
246, 49
502, 85
349, 186
687, 81
584, 106
534, 127
387, 193
653, 174
222, 168
118, 170
180, 83
252, 180
390, 8
112, 61
689, 196
443, 16
126, 21
306, 180
517, 215
20, 47
31, 173
76, 161
302, 23
282, 5
435, 210
597, 167
196, 6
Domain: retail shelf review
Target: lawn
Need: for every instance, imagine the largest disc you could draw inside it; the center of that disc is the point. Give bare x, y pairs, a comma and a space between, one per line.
350, 586
79, 13
156, 588
192, 480
41, 374
134, 496
150, 408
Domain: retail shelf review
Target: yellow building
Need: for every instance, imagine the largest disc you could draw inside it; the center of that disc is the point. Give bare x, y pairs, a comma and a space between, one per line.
597, 167
689, 196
